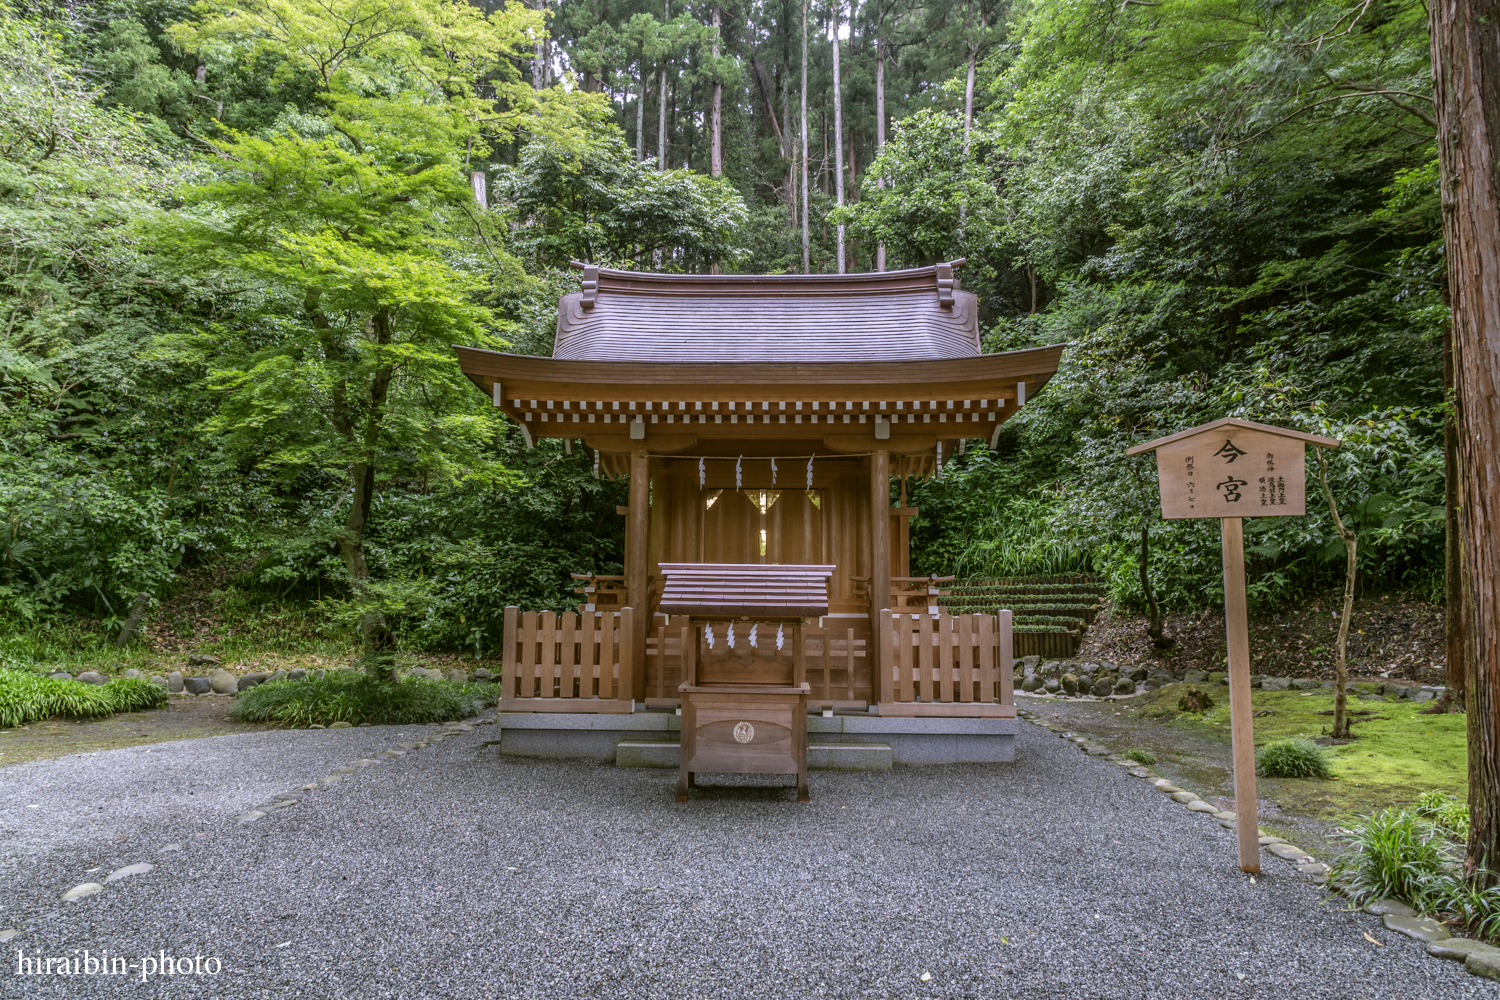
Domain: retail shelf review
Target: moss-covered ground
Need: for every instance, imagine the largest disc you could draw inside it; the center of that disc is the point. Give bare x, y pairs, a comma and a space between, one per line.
1397, 752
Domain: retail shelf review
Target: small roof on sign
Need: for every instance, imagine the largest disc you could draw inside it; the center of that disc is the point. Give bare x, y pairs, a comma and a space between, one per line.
1248, 425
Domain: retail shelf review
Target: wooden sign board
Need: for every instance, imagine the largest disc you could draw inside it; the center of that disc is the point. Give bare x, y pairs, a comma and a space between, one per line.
1232, 469
1232, 472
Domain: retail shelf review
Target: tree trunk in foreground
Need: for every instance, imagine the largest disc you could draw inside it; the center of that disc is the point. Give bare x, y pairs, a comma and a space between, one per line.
1466, 89
1455, 601
1154, 627
1341, 645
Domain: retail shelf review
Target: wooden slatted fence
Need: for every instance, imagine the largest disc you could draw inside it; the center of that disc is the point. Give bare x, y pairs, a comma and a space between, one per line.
946, 665
567, 663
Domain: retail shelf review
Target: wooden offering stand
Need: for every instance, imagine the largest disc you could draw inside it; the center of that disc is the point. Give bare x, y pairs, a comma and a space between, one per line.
744, 697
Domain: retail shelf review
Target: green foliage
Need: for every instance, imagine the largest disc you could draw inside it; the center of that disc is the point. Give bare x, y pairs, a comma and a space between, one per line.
1449, 814
1295, 758
594, 203
1141, 756
1394, 855
1399, 854
347, 696
27, 697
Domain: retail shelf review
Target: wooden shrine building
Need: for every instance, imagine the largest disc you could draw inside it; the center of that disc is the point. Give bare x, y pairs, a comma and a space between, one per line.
763, 420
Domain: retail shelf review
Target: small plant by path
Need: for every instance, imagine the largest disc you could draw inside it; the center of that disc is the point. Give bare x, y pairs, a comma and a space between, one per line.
1296, 758
1141, 756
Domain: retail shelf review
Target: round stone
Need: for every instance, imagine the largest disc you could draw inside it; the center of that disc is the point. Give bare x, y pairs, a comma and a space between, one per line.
1184, 797
140, 868
1458, 949
170, 848
1162, 784
92, 677
7, 934
341, 725
1389, 907
1199, 806
1420, 928
223, 682
82, 891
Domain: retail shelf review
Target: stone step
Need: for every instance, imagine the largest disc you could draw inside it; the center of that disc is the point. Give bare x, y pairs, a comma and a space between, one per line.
820, 756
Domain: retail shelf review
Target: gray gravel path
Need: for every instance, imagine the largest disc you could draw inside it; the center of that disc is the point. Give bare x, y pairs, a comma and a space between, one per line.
454, 872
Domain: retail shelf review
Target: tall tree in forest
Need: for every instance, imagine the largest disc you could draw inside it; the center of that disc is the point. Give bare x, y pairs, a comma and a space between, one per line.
806, 232
838, 130
716, 107
1466, 89
879, 108
344, 224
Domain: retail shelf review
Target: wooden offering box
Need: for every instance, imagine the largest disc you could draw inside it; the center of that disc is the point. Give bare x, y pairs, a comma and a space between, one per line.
744, 700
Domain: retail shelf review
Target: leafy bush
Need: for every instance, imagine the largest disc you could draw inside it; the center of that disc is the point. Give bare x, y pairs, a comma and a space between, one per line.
1401, 855
1141, 756
1446, 812
26, 697
347, 696
1299, 758
1397, 855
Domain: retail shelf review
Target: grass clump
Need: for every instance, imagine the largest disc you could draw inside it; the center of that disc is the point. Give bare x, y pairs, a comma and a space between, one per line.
29, 697
352, 697
1296, 758
1446, 812
1396, 855
1141, 756
1399, 854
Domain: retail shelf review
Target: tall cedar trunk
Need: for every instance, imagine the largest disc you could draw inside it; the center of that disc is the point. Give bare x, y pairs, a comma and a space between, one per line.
640, 118
1341, 645
806, 235
1154, 627
838, 132
787, 152
879, 112
1466, 89
716, 111
539, 65
1455, 597
661, 128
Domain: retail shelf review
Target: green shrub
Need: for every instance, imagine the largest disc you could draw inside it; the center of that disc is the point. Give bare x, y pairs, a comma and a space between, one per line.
1396, 855
1141, 756
1402, 855
27, 697
1300, 758
1446, 812
349, 696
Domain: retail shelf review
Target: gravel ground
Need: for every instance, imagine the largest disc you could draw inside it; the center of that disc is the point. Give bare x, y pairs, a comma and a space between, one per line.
455, 872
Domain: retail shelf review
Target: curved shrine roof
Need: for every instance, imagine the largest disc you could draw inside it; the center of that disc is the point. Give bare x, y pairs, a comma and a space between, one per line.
917, 314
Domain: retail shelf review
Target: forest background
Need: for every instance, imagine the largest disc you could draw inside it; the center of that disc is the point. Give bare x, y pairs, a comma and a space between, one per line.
239, 238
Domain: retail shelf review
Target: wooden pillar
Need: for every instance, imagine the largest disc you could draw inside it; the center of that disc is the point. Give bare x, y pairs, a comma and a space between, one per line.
880, 568
1241, 725
637, 565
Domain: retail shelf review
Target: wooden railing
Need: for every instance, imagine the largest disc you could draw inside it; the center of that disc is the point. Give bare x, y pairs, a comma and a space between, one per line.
567, 663
946, 665
601, 593
909, 593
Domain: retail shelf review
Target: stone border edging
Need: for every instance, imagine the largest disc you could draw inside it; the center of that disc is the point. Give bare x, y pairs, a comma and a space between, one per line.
1479, 958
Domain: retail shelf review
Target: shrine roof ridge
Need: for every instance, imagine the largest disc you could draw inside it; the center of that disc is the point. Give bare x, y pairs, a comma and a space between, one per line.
918, 314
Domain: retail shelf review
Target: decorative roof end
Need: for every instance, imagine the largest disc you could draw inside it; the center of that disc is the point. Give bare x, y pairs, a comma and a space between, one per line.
945, 285
590, 285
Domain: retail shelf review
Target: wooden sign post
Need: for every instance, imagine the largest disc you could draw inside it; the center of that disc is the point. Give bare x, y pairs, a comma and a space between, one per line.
1232, 469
